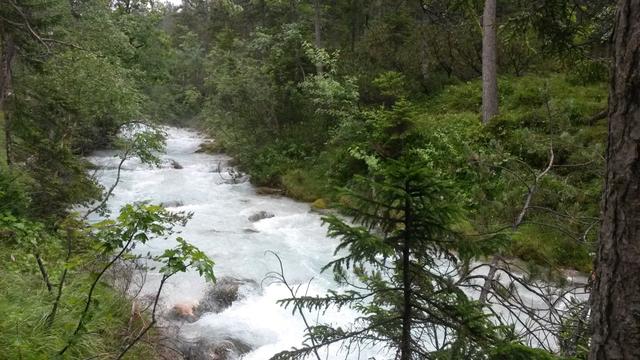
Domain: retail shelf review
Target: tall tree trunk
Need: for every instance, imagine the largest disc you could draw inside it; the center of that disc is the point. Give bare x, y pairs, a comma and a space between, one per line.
615, 300
7, 54
489, 62
317, 24
353, 24
407, 315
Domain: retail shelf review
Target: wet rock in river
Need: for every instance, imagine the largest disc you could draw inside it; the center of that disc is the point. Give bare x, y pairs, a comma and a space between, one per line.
260, 215
223, 294
172, 164
207, 349
263, 190
184, 311
173, 203
232, 176
210, 147
321, 207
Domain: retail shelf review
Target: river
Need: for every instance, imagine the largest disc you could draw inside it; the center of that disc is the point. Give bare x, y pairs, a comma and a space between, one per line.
240, 247
221, 227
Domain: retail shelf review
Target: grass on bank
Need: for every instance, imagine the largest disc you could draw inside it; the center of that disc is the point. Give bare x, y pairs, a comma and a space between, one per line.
25, 304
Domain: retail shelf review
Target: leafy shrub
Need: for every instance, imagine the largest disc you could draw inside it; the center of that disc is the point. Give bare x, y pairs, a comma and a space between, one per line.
14, 197
305, 185
587, 71
519, 352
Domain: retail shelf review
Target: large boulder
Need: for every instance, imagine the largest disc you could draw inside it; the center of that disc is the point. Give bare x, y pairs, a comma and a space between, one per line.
206, 345
319, 204
260, 215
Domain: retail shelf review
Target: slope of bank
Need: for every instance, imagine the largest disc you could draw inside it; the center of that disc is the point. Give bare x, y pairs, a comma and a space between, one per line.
543, 118
25, 304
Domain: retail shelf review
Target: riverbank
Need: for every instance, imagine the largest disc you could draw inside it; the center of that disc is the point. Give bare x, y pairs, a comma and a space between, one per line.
493, 166
25, 303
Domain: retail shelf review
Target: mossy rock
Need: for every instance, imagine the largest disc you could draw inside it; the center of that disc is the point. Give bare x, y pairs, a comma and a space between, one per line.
319, 204
211, 147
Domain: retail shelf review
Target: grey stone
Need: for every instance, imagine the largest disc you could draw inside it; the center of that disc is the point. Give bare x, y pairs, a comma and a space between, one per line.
260, 215
222, 295
173, 203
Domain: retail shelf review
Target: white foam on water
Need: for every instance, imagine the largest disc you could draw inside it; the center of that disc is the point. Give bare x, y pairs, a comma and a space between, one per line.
220, 227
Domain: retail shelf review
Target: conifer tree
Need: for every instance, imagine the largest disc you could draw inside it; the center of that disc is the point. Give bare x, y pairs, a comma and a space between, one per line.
403, 252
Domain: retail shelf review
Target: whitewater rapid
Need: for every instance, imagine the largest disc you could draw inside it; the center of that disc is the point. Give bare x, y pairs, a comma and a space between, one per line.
221, 228
240, 248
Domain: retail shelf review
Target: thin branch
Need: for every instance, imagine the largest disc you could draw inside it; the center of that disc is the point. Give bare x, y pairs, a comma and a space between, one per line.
297, 306
108, 194
43, 271
153, 317
83, 315
517, 222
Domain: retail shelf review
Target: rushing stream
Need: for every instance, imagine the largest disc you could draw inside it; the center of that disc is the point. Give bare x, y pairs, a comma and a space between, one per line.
221, 227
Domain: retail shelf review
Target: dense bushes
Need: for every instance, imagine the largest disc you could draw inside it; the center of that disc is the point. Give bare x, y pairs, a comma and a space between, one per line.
493, 166
69, 90
519, 352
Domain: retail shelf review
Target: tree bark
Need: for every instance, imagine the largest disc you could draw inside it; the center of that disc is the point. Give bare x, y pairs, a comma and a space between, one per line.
44, 273
489, 62
407, 315
317, 18
353, 24
7, 54
615, 298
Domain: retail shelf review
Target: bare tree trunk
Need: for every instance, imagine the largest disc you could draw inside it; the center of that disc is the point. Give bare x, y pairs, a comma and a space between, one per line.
43, 272
615, 300
318, 32
489, 62
407, 315
354, 24
6, 59
7, 54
